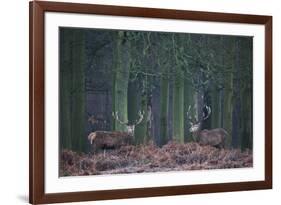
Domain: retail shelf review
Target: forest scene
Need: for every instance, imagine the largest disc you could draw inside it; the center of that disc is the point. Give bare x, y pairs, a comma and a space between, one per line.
139, 101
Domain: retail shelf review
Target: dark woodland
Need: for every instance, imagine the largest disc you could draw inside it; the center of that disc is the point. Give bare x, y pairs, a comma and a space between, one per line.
136, 101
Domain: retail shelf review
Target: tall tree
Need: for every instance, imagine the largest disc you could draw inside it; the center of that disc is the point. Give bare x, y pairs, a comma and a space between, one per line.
120, 81
132, 101
217, 85
189, 102
228, 89
178, 93
236, 112
163, 55
247, 94
141, 133
78, 91
133, 83
189, 90
66, 38
164, 106
141, 129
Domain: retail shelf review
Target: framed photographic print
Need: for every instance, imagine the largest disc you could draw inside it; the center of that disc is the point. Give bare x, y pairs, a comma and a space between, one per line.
138, 102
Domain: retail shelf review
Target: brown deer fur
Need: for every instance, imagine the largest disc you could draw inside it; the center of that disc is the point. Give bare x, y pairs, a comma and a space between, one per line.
109, 140
215, 137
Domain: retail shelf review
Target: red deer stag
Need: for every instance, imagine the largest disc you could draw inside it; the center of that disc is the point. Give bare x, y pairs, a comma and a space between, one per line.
130, 127
114, 139
214, 137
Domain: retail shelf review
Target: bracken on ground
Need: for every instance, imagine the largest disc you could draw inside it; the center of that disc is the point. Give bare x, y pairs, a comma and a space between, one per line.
150, 158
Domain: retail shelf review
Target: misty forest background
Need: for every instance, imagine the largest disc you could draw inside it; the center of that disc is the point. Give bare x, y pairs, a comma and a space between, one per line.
103, 71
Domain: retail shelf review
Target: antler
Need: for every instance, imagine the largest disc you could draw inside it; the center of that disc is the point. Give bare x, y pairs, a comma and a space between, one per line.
208, 112
115, 116
141, 114
208, 108
191, 121
188, 114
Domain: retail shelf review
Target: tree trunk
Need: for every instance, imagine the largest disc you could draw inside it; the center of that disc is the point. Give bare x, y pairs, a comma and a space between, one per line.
189, 93
215, 104
189, 90
246, 119
132, 102
141, 129
178, 108
178, 91
227, 120
120, 82
247, 97
149, 118
164, 106
65, 88
236, 135
228, 96
78, 92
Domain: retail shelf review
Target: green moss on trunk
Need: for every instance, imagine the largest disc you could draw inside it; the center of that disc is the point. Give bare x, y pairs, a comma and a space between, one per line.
121, 76
178, 109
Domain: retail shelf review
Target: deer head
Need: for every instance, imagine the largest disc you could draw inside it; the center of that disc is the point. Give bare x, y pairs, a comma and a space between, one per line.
195, 124
130, 127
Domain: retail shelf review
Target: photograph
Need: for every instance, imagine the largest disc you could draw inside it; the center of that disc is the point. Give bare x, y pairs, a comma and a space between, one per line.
133, 101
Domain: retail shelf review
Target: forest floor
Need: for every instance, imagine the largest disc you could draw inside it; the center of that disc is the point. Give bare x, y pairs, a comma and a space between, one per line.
150, 158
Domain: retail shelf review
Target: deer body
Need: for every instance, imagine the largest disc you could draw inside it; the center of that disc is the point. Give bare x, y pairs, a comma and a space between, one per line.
114, 139
214, 137
109, 140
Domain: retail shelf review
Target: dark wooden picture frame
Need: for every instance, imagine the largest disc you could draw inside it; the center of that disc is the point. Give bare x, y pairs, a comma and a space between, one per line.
37, 193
